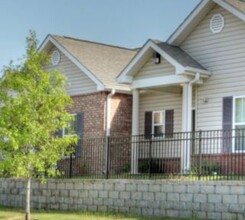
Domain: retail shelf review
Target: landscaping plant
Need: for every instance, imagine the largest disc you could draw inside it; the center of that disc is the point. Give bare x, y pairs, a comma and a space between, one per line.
33, 103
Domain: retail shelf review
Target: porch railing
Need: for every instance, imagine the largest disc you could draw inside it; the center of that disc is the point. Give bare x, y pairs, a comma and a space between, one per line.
201, 155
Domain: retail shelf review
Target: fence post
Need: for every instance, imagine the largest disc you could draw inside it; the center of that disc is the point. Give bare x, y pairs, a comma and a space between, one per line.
70, 173
150, 158
107, 156
200, 155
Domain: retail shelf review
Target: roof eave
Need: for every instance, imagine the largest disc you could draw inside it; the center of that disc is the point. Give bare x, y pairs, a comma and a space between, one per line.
231, 9
174, 39
192, 19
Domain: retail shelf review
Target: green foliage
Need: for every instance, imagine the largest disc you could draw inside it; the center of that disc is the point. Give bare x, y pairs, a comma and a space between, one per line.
33, 107
206, 168
209, 167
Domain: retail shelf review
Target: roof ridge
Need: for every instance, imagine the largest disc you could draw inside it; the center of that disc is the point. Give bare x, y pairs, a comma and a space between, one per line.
94, 42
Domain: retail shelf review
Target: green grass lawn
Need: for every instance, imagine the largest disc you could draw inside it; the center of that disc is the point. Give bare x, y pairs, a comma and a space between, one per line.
14, 214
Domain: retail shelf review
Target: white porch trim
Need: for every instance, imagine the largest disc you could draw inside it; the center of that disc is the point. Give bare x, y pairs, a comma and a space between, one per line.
126, 75
186, 128
160, 81
135, 131
135, 110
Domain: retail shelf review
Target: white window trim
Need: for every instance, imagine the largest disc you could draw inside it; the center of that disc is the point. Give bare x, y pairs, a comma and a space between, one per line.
63, 130
160, 124
234, 123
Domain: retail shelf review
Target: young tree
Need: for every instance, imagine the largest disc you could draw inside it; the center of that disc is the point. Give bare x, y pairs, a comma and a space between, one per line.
33, 104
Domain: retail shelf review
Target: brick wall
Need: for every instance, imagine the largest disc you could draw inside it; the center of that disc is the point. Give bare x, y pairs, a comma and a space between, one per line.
181, 199
121, 115
94, 107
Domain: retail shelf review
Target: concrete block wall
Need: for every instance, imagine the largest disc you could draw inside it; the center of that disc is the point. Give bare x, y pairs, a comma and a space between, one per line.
206, 200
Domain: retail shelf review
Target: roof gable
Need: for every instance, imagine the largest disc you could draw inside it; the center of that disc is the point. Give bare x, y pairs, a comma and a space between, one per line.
235, 7
100, 62
174, 55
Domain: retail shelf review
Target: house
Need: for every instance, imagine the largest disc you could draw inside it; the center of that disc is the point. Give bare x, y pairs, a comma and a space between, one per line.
194, 81
101, 107
91, 69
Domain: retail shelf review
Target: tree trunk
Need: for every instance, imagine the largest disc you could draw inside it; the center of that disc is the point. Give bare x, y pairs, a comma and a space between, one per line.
28, 194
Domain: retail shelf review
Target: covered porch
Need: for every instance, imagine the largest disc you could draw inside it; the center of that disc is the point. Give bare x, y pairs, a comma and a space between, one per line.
163, 80
164, 115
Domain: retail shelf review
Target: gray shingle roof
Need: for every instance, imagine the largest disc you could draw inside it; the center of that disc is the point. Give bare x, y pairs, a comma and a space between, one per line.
104, 61
180, 56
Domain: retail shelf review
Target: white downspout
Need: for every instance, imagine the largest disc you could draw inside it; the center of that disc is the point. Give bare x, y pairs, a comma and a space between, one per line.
108, 112
108, 130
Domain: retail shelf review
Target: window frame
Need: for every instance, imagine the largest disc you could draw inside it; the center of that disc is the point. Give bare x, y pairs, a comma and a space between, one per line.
234, 123
163, 112
63, 129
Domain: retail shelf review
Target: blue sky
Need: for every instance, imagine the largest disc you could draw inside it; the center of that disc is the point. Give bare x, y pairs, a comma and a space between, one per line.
127, 23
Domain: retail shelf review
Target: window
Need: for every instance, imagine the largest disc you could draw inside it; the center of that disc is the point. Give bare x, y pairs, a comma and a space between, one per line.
158, 123
158, 127
239, 123
71, 128
193, 126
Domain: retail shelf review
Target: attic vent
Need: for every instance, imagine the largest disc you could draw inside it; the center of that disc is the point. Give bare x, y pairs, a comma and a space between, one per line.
55, 57
217, 23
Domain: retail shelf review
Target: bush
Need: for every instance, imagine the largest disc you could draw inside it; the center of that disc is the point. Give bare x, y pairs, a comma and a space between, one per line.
207, 168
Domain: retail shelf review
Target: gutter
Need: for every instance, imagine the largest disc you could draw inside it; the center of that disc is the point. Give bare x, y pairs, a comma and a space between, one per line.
108, 112
195, 80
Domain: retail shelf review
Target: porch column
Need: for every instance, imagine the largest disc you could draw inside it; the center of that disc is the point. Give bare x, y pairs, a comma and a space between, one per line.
135, 131
186, 127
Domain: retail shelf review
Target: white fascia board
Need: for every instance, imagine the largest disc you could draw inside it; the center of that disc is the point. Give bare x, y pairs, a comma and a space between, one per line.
186, 22
125, 75
160, 81
205, 73
44, 43
100, 85
231, 9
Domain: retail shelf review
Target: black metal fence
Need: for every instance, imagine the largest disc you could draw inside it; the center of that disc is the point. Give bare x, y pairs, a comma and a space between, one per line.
203, 155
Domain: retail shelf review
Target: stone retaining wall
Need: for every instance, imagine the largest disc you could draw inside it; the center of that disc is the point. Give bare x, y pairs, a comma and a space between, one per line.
207, 200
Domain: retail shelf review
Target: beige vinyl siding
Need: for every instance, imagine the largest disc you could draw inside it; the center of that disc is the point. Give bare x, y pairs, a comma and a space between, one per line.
150, 69
158, 101
78, 82
224, 55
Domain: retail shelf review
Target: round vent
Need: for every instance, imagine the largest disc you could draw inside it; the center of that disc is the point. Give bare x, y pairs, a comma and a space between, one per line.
55, 57
217, 23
